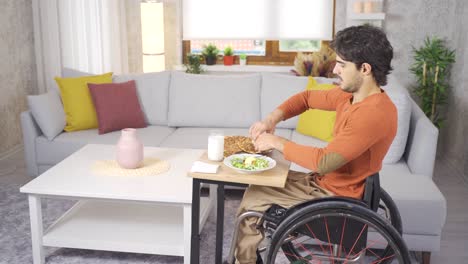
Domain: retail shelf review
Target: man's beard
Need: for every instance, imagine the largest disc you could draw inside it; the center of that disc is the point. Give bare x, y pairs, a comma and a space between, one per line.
354, 85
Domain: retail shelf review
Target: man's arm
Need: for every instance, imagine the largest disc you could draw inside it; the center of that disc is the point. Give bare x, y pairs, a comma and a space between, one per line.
323, 100
267, 125
267, 141
359, 134
295, 105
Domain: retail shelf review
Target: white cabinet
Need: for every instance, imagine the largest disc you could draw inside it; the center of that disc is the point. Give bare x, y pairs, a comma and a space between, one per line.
364, 11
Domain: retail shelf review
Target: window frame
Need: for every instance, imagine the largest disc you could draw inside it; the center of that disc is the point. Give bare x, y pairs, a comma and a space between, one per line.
273, 55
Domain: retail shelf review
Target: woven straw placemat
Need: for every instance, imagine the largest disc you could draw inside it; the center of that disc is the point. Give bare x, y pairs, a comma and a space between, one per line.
151, 166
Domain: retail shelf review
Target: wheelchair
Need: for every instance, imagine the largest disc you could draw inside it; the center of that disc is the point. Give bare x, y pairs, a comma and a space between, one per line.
332, 230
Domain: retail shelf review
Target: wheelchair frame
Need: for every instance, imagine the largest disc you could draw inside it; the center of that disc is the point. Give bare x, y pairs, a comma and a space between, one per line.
276, 217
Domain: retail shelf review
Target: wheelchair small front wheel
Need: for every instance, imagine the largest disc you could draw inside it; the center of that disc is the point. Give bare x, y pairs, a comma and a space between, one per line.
336, 232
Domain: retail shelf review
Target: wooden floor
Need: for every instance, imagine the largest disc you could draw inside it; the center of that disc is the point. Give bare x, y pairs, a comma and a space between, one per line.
454, 244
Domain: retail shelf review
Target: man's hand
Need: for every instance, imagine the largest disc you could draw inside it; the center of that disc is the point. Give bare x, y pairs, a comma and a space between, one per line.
267, 125
268, 141
259, 128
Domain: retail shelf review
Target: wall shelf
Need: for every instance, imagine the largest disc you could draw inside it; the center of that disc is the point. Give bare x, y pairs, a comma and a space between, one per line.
367, 16
360, 14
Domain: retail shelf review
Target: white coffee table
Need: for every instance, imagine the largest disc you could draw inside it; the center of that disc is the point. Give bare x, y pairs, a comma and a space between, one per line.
141, 214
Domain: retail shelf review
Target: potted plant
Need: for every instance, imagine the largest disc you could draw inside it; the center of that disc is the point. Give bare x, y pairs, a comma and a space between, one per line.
243, 59
432, 70
193, 64
210, 53
228, 56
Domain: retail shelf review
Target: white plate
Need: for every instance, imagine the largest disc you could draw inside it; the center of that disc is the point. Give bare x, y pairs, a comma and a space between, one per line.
271, 162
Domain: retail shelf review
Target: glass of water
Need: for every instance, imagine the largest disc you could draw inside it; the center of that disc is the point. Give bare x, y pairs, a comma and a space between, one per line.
216, 145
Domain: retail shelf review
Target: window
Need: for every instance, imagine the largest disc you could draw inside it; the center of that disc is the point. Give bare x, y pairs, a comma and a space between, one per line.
299, 45
259, 52
277, 20
249, 47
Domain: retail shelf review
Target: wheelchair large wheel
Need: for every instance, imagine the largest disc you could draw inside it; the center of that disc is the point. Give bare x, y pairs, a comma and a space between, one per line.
336, 232
387, 210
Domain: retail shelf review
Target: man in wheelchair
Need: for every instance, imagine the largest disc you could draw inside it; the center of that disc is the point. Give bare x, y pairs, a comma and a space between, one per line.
366, 123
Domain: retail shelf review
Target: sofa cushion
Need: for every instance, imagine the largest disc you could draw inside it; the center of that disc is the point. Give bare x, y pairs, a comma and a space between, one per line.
210, 100
47, 110
421, 204
400, 97
153, 93
77, 103
52, 152
276, 88
117, 106
315, 122
197, 137
70, 73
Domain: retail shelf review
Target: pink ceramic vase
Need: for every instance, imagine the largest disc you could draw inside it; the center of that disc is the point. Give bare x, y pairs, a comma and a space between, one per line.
129, 149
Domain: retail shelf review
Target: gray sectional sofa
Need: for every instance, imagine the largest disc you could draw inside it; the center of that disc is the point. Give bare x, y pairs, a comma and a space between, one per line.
181, 109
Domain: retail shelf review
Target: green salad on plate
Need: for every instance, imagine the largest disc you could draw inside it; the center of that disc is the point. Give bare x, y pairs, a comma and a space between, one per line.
250, 163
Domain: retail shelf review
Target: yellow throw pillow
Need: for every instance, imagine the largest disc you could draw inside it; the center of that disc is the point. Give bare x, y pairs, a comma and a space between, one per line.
77, 103
314, 122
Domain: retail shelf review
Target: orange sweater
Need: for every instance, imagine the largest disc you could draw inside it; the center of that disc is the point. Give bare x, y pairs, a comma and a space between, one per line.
362, 135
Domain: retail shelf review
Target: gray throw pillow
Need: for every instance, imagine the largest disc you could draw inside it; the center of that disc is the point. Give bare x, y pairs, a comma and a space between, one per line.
47, 110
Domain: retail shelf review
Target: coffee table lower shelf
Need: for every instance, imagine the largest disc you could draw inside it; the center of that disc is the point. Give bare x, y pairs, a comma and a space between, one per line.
124, 226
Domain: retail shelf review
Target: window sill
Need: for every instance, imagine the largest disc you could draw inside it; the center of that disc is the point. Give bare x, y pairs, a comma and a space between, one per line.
239, 68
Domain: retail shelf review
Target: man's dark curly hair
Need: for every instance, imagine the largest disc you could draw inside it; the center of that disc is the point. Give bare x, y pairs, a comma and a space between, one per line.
365, 44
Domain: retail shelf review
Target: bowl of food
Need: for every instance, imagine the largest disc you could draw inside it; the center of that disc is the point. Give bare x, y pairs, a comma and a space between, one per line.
249, 163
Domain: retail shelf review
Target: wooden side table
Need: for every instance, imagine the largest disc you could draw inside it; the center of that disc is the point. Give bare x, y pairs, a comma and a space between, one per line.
275, 177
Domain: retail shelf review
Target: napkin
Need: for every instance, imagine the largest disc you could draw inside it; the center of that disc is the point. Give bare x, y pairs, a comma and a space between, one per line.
203, 167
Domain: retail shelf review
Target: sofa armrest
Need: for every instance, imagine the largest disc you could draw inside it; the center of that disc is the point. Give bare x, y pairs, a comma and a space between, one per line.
30, 132
420, 152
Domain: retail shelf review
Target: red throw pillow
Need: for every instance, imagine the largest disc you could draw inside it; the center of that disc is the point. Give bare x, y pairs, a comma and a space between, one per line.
117, 106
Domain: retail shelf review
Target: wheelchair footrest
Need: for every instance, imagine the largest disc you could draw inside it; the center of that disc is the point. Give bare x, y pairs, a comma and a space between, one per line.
274, 215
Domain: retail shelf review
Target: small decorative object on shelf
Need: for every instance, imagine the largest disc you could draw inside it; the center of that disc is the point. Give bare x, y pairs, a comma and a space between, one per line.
243, 59
228, 56
210, 53
193, 64
357, 7
129, 150
320, 63
360, 12
369, 6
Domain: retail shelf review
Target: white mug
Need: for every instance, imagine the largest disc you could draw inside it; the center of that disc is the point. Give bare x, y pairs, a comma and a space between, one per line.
216, 145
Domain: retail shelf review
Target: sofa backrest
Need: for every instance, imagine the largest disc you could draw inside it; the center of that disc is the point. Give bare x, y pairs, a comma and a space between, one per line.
421, 147
401, 98
276, 88
188, 100
214, 100
153, 93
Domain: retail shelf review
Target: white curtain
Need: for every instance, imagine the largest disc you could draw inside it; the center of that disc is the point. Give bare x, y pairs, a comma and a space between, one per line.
86, 35
258, 19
